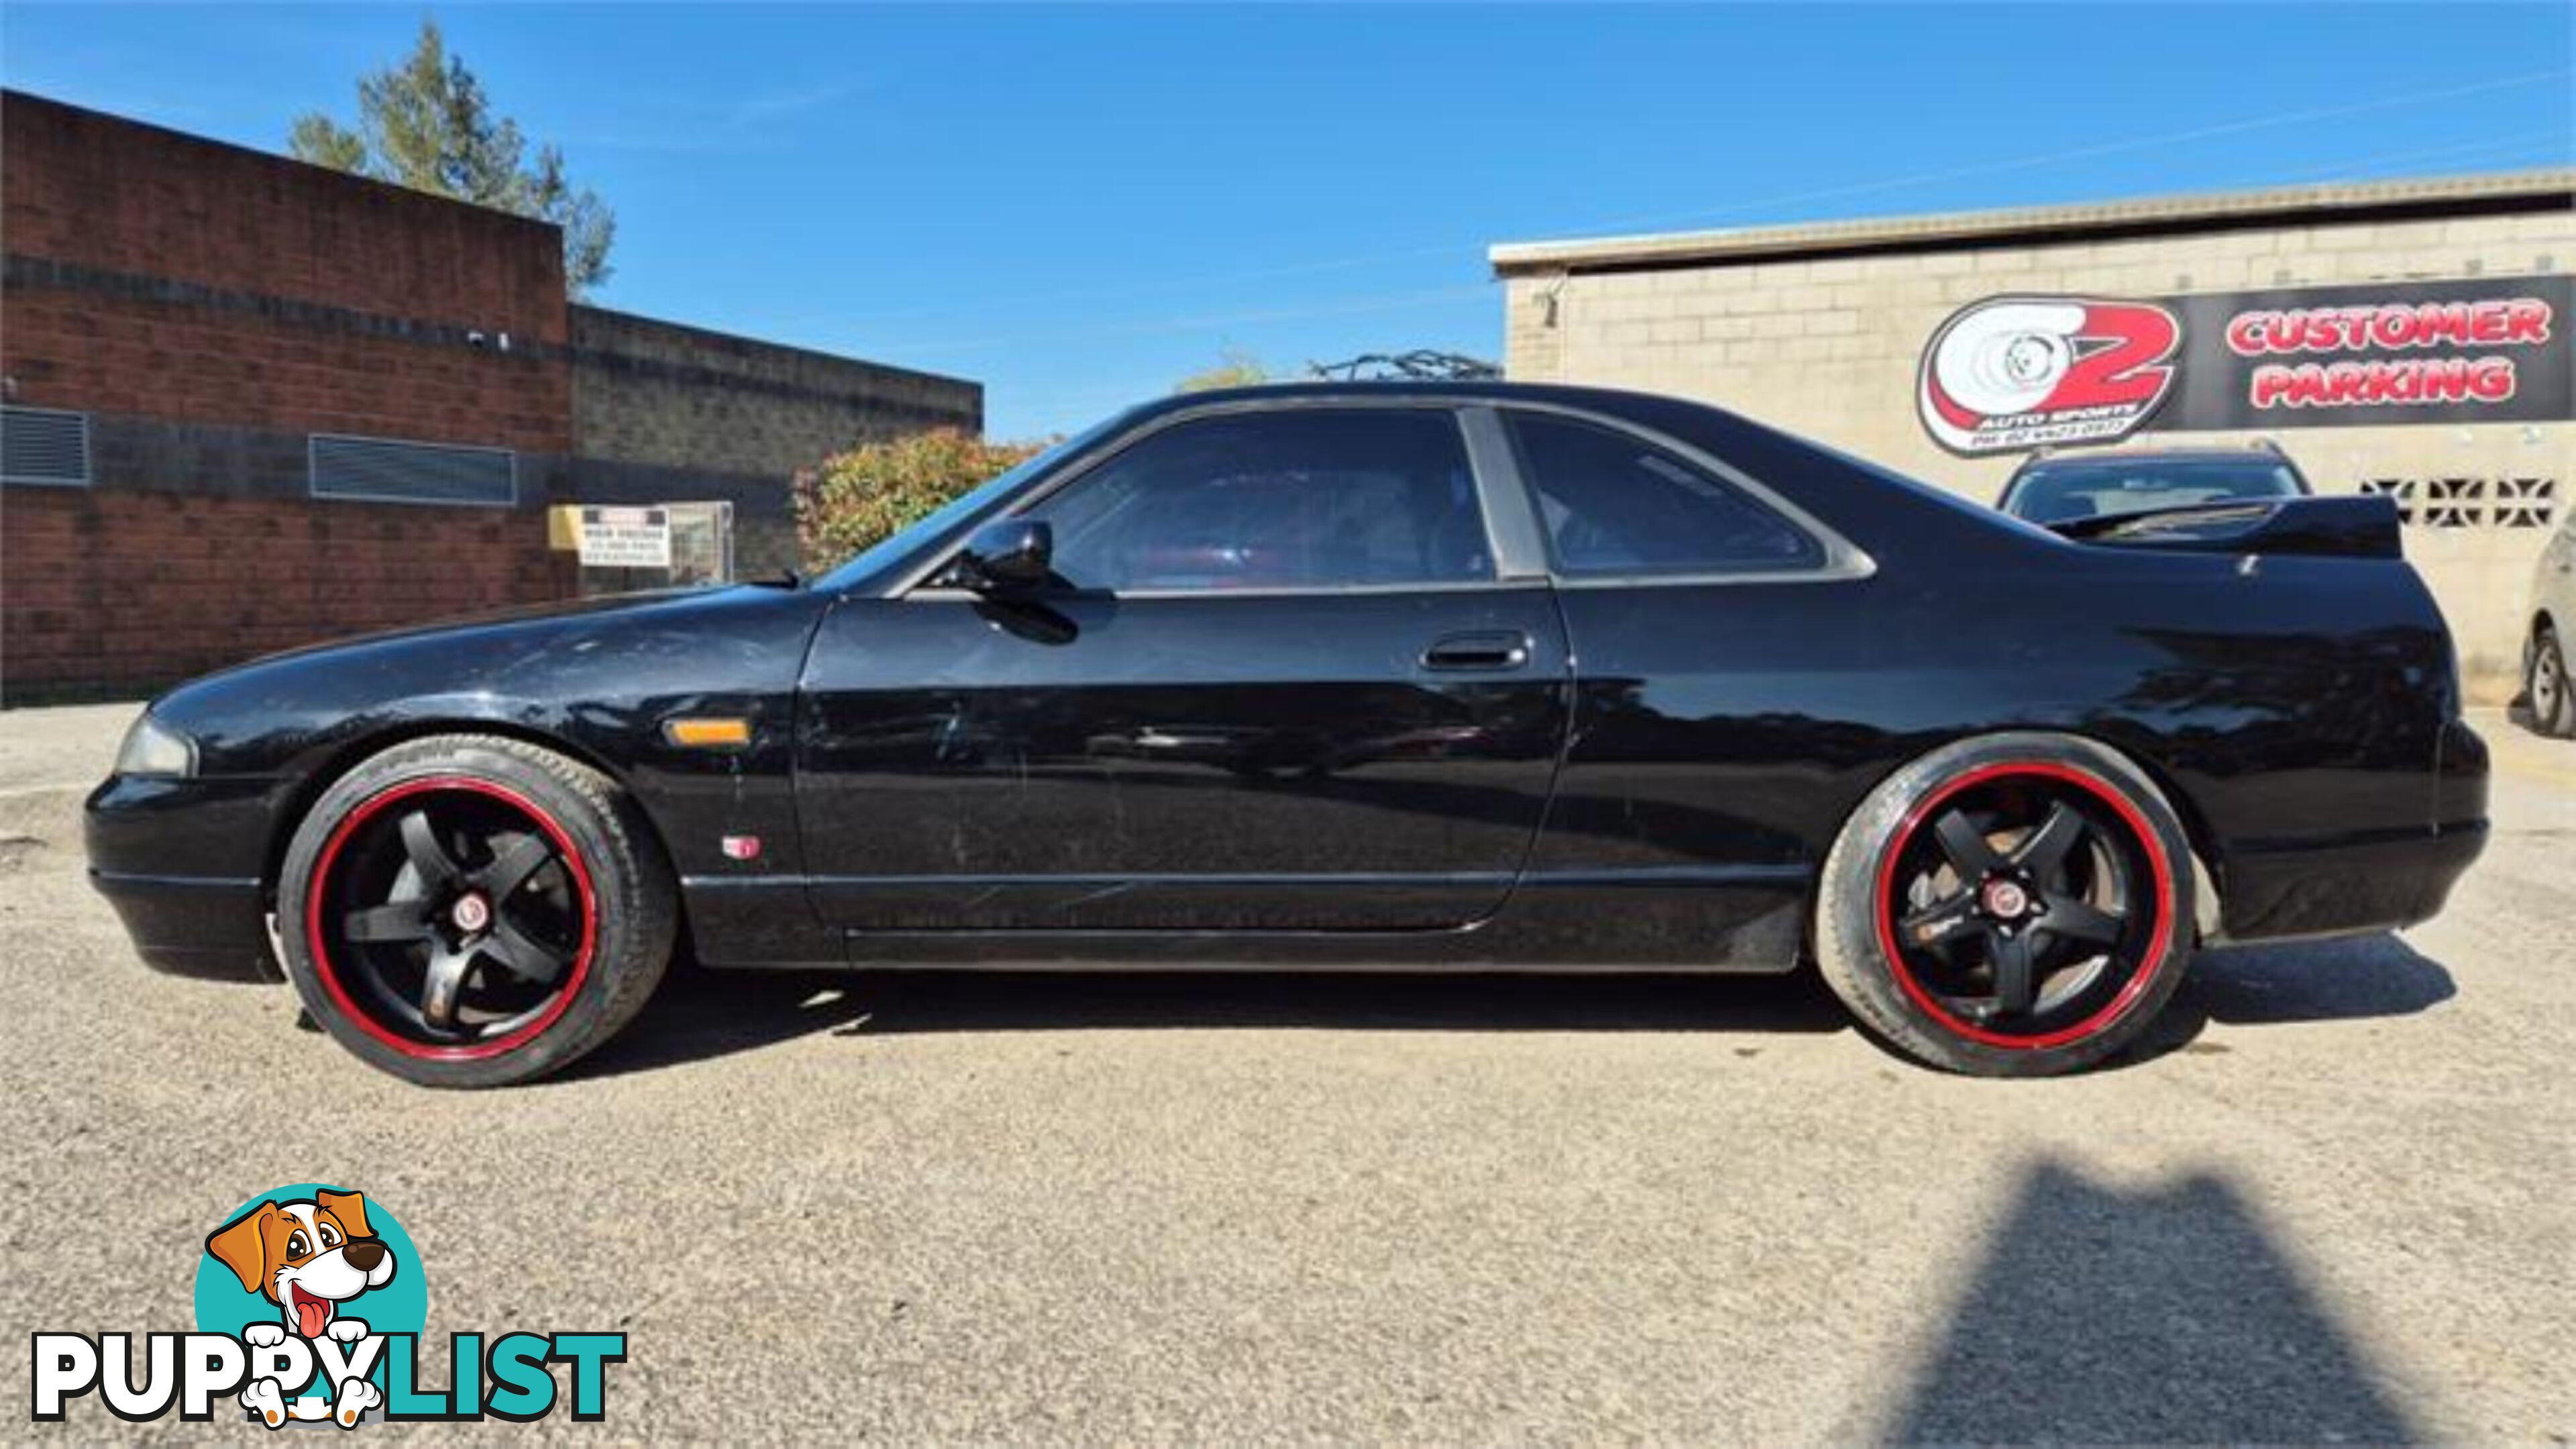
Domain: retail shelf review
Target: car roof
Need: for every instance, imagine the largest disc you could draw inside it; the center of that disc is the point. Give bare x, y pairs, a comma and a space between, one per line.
1611, 400
2121, 457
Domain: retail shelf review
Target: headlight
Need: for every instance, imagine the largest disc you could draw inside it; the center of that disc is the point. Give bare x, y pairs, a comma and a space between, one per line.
153, 748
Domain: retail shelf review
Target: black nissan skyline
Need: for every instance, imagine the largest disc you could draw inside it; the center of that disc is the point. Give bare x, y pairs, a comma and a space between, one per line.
1466, 677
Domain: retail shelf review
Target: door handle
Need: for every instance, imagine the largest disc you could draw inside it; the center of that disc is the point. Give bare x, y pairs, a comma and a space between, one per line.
1479, 649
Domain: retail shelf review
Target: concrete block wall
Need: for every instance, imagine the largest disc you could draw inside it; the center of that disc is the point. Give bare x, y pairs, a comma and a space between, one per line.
669, 413
1829, 347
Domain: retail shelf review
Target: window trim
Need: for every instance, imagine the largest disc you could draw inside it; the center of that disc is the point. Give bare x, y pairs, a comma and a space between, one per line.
88, 455
1502, 491
1841, 558
314, 491
917, 585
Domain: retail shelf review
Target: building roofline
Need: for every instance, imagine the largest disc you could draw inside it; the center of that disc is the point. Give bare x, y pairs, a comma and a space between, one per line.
2472, 195
718, 335
12, 96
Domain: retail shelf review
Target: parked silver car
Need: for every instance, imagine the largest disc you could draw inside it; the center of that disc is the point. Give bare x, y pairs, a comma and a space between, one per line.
2544, 650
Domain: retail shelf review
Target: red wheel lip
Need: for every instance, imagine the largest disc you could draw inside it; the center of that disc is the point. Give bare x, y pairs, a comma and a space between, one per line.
329, 972
2157, 860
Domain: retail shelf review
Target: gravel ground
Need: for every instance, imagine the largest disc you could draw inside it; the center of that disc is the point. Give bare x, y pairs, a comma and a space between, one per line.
2331, 1202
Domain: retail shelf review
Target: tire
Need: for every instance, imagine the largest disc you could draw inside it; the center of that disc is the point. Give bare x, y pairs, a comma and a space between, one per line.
474, 911
2091, 915
2545, 685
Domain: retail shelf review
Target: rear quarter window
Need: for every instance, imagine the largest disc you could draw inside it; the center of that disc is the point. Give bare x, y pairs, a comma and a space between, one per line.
1613, 505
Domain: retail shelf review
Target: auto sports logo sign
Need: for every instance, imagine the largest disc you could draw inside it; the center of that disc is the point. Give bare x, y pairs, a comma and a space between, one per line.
311, 1301
2014, 373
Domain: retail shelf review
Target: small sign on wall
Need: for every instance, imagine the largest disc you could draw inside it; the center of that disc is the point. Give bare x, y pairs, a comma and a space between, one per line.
619, 538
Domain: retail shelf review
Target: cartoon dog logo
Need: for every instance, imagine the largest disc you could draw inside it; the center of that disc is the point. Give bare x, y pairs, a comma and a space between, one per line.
308, 1257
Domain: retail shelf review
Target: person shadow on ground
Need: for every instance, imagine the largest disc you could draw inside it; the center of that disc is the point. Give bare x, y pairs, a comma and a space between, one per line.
2166, 1315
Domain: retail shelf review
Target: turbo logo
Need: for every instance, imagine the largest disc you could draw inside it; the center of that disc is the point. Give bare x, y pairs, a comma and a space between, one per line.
2013, 373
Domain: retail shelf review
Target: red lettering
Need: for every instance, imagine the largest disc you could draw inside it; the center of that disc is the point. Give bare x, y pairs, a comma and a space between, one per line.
2437, 323
2413, 380
2389, 326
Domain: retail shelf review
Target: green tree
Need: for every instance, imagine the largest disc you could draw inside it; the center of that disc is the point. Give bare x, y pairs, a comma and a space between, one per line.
873, 490
1235, 369
425, 124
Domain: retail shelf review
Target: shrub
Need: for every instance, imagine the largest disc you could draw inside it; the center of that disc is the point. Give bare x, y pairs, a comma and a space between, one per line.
856, 498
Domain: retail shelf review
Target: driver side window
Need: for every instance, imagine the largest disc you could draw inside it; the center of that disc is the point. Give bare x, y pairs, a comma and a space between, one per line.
1290, 498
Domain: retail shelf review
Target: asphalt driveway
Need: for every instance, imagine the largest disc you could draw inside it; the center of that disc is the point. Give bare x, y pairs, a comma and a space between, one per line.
2333, 1201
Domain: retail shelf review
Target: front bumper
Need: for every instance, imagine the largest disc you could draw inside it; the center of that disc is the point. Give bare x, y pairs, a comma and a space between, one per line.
182, 861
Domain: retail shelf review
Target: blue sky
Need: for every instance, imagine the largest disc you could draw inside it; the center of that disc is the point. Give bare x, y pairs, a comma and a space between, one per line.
1080, 205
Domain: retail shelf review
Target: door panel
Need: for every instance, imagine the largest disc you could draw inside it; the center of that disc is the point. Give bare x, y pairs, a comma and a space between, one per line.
1368, 759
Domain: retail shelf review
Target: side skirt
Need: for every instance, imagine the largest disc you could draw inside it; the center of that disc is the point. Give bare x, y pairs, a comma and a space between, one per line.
1736, 921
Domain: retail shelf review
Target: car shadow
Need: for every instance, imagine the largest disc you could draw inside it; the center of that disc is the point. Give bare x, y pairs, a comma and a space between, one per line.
700, 1014
2353, 979
2162, 1315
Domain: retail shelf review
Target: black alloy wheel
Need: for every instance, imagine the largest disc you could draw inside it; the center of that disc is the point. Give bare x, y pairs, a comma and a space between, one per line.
471, 910
455, 914
2021, 908
2010, 905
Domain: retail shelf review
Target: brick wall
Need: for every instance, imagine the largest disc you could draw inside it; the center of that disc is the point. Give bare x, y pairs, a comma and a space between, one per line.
127, 590
129, 197
1829, 347
211, 307
667, 413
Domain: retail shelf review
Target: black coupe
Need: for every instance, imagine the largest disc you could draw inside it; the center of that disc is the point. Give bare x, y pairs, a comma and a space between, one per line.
1469, 677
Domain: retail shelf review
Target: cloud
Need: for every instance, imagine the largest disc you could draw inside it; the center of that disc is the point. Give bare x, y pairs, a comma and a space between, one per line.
777, 105
714, 126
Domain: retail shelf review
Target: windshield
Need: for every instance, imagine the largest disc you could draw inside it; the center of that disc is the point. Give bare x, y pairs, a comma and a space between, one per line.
2105, 487
901, 543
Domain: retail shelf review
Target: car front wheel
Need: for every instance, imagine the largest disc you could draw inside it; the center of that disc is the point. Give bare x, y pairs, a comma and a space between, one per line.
472, 910
2014, 905
2545, 685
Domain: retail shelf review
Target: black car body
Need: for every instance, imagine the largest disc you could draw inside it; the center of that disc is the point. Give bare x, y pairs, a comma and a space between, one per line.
1540, 730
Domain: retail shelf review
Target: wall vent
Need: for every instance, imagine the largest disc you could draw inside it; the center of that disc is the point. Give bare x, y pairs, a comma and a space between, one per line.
2471, 502
44, 445
384, 470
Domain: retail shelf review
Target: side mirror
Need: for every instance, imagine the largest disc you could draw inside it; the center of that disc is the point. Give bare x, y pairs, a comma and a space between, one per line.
1012, 553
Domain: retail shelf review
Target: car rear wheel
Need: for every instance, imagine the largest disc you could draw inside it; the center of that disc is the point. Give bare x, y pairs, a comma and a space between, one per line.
471, 910
2546, 686
2012, 906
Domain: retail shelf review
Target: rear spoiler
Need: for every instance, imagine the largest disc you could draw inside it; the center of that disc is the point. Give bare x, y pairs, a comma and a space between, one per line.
2363, 526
